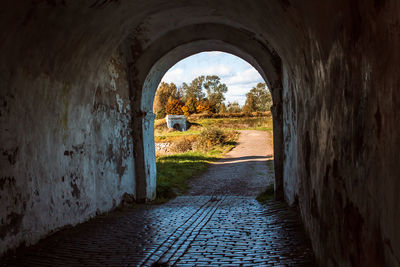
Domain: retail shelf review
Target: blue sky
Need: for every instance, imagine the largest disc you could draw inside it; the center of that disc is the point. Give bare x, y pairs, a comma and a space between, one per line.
237, 74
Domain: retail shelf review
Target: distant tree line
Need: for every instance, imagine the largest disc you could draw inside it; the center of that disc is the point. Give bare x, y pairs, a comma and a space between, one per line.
190, 98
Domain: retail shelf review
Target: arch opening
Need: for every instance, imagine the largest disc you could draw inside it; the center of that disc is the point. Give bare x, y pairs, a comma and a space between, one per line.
146, 166
244, 105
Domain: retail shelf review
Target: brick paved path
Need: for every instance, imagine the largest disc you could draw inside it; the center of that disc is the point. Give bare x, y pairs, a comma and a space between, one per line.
218, 224
190, 230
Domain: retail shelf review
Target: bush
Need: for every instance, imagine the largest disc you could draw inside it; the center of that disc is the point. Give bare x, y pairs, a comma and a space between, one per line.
210, 138
184, 144
160, 125
161, 114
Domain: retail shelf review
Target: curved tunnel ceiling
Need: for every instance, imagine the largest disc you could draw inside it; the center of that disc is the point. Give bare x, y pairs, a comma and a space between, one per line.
75, 36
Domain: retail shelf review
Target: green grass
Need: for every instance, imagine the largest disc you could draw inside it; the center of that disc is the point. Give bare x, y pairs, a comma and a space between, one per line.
173, 136
174, 171
177, 133
267, 195
270, 164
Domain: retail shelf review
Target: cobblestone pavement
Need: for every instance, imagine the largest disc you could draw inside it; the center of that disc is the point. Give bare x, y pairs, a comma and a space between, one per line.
188, 231
219, 223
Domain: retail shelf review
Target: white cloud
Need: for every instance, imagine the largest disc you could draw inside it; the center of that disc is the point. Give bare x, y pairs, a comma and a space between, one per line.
247, 76
241, 99
215, 53
240, 84
175, 76
239, 89
238, 93
219, 70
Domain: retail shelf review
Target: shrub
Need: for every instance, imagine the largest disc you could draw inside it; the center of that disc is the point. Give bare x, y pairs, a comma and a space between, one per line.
161, 114
210, 138
184, 144
160, 125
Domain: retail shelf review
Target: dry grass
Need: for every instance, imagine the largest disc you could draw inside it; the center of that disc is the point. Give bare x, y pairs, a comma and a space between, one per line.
246, 123
184, 144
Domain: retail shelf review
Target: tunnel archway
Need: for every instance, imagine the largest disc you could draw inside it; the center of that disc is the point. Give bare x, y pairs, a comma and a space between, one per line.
158, 58
340, 109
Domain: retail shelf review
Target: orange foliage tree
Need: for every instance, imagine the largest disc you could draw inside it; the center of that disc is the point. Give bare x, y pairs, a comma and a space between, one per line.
203, 107
190, 106
185, 110
174, 107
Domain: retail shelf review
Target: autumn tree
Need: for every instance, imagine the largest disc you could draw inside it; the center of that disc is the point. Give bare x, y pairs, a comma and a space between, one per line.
174, 106
203, 107
164, 92
215, 91
222, 108
191, 105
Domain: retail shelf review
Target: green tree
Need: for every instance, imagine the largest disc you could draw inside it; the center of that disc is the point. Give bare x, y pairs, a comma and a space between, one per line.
222, 108
194, 90
234, 107
215, 91
251, 103
261, 97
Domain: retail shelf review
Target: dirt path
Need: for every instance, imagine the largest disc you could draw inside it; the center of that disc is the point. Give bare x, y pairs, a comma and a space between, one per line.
243, 171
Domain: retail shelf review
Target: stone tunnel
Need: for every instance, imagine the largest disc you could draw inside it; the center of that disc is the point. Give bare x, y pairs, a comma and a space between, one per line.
78, 78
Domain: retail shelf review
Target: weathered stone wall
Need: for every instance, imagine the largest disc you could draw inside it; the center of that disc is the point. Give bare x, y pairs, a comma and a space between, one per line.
66, 149
340, 108
342, 115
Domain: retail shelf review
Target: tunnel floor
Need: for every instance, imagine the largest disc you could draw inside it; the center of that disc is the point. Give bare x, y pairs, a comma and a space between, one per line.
219, 222
190, 230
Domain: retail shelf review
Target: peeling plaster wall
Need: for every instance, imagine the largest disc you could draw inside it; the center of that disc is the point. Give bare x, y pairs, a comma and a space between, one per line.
66, 149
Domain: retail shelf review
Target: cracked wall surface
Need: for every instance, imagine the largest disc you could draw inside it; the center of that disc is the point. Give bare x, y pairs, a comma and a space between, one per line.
66, 150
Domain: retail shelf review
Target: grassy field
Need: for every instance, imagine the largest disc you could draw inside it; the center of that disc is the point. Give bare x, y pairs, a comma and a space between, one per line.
207, 140
256, 123
161, 132
174, 171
